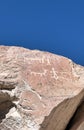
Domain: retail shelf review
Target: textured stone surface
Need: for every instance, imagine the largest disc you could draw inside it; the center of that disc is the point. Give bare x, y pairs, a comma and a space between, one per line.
39, 90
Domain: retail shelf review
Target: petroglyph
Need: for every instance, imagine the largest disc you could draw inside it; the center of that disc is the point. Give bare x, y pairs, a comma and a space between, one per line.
54, 73
48, 61
43, 59
39, 73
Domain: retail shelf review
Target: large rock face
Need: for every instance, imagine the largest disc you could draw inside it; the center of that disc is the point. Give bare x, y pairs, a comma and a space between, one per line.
40, 91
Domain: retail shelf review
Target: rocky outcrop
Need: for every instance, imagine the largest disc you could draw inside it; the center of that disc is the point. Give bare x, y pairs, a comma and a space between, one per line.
40, 91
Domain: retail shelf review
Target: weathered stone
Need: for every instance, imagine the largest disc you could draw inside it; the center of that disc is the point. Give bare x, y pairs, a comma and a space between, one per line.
39, 90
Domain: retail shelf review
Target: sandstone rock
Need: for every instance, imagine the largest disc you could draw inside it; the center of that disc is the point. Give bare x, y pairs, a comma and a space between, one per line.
39, 91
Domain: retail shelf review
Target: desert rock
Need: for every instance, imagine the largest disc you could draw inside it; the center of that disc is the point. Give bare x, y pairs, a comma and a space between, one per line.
39, 91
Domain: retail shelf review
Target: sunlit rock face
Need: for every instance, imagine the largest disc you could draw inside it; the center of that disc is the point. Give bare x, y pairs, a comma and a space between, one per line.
39, 91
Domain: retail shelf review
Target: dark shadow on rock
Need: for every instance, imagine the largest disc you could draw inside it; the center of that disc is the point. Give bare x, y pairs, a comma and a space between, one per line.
4, 109
77, 118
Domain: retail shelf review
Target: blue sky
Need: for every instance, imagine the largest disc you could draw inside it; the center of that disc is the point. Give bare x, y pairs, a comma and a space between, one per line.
51, 25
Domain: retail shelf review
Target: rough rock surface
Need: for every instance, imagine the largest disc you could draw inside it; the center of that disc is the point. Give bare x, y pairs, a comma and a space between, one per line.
40, 91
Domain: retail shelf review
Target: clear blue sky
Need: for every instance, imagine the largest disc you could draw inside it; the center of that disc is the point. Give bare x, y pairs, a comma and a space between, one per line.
50, 25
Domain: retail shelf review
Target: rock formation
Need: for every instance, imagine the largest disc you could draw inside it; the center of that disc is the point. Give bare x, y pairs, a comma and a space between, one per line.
40, 91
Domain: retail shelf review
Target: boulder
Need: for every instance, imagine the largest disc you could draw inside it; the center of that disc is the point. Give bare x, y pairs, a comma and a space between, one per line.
39, 91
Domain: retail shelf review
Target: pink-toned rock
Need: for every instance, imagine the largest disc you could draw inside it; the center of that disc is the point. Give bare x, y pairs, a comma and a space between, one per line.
42, 90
